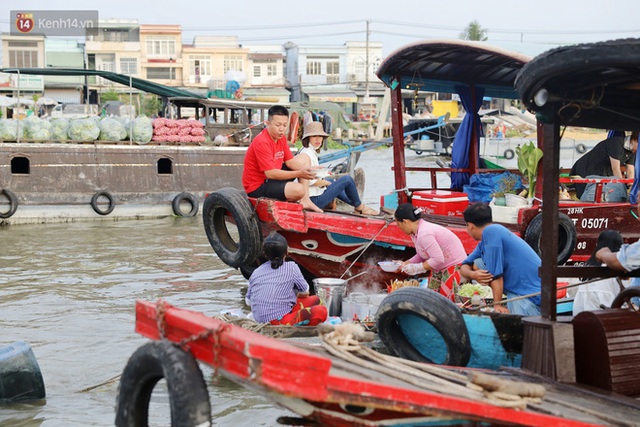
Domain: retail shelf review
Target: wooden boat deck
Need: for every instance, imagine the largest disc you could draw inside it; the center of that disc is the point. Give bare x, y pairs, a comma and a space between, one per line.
311, 381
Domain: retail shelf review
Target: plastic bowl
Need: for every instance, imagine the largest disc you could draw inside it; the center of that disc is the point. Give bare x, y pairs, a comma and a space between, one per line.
322, 173
389, 266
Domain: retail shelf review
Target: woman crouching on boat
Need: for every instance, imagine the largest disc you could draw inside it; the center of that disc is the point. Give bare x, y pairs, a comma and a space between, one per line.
278, 293
439, 251
322, 192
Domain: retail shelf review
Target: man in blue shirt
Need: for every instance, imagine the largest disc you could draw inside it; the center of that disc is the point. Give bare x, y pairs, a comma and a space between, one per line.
503, 261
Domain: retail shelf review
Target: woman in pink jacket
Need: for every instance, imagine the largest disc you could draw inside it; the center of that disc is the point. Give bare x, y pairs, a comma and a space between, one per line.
439, 251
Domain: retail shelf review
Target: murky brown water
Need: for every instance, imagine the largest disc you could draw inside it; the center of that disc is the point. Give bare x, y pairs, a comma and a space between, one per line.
69, 291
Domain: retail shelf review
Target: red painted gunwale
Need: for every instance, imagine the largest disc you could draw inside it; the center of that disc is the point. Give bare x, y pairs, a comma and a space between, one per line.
283, 371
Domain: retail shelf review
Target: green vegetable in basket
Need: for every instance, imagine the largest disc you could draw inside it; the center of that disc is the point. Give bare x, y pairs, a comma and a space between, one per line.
468, 289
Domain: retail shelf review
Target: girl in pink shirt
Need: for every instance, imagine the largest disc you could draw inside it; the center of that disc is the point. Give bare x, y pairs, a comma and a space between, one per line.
439, 251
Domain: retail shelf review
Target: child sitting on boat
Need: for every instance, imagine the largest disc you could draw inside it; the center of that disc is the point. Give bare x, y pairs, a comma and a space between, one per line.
278, 292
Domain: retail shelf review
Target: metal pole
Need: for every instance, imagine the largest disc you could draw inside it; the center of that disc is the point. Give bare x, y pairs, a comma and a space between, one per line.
18, 119
366, 66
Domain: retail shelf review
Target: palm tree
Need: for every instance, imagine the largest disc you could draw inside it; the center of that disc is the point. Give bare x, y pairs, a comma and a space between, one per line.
474, 31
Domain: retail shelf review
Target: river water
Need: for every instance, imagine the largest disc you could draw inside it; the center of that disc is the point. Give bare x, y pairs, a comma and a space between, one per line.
69, 291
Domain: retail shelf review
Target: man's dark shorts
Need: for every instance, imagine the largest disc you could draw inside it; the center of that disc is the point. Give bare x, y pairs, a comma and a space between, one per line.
273, 189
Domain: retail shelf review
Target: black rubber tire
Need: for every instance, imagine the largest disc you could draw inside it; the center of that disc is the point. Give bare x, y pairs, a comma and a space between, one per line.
581, 148
13, 203
216, 208
509, 154
567, 236
624, 297
188, 395
97, 209
188, 197
435, 309
418, 152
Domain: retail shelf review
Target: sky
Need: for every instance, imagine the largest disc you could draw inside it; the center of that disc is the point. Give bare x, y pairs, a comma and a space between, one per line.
529, 26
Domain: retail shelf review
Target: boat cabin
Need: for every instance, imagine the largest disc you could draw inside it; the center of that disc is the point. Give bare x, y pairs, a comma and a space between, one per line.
227, 122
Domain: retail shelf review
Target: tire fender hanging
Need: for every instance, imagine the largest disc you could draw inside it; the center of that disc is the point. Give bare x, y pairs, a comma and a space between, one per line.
97, 208
567, 236
185, 197
188, 395
218, 206
13, 203
443, 315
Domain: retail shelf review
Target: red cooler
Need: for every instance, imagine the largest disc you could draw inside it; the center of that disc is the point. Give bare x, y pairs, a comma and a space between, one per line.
441, 202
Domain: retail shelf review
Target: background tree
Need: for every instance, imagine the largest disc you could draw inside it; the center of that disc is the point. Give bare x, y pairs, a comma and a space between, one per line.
474, 31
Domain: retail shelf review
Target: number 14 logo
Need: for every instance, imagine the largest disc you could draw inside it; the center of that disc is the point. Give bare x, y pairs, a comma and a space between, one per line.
24, 22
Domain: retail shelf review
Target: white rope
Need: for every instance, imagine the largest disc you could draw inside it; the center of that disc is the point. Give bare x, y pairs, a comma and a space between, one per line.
343, 342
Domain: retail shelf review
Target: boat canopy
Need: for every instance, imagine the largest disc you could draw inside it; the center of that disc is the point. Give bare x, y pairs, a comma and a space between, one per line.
441, 65
471, 69
135, 82
593, 85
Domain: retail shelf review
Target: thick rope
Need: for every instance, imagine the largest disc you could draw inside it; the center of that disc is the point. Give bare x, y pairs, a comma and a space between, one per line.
343, 342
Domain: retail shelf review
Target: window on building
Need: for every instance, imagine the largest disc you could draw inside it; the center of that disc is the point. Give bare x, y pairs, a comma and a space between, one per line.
23, 58
257, 71
333, 72
358, 69
314, 68
161, 73
199, 65
272, 70
161, 46
108, 66
232, 62
129, 66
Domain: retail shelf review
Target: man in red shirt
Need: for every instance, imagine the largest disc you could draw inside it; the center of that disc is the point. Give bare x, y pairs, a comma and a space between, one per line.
263, 175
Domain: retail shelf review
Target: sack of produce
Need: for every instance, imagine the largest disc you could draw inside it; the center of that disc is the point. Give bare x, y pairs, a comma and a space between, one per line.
84, 130
10, 130
36, 129
142, 129
127, 123
111, 130
59, 129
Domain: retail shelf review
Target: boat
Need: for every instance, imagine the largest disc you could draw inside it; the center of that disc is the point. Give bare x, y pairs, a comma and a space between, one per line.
327, 244
580, 371
326, 385
20, 376
45, 179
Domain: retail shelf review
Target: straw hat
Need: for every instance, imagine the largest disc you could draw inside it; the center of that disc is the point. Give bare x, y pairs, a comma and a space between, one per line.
314, 129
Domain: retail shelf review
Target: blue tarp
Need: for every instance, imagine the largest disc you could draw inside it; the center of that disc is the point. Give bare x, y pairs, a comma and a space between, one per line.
462, 141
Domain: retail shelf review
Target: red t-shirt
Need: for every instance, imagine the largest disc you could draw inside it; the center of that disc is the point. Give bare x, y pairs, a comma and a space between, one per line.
262, 155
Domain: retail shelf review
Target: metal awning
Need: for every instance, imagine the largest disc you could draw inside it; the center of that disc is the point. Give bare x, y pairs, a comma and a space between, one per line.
141, 84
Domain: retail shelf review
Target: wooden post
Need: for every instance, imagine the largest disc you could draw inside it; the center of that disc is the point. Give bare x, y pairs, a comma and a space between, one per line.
398, 142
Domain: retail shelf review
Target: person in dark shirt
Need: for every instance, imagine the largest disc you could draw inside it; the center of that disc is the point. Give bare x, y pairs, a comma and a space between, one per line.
605, 160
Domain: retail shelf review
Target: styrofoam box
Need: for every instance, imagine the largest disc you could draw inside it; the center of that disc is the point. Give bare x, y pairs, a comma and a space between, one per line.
505, 214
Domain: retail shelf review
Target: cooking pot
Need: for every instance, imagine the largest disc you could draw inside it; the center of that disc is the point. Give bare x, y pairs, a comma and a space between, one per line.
331, 291
355, 305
